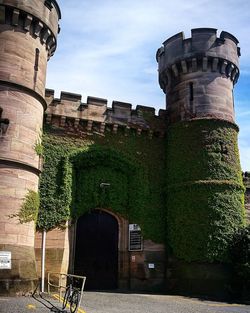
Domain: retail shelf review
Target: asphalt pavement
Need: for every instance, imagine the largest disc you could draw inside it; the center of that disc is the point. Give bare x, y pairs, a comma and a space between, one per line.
105, 302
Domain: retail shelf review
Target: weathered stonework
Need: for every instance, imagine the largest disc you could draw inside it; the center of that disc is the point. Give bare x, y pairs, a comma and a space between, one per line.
57, 251
205, 66
95, 116
27, 40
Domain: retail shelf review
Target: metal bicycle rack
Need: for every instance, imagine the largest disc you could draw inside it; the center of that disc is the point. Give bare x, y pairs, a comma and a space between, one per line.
62, 283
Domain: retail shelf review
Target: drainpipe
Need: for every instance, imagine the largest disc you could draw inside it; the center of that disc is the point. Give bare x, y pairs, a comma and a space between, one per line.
43, 260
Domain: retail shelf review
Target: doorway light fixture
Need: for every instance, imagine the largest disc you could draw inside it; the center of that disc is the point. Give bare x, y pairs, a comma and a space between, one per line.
104, 185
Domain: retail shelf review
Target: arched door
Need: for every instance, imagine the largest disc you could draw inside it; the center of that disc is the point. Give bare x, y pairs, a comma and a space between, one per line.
96, 250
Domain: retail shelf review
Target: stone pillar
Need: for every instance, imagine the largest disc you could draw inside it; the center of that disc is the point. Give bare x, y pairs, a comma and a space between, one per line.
27, 40
205, 191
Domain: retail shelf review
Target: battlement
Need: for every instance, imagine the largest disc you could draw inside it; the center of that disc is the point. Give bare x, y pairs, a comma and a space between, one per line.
204, 51
41, 20
71, 113
203, 41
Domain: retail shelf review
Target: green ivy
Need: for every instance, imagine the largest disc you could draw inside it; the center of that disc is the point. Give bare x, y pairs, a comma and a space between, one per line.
240, 256
75, 168
29, 208
201, 208
55, 181
127, 191
205, 194
39, 148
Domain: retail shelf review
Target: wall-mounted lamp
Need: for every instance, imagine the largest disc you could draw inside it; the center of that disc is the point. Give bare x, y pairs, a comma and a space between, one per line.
104, 185
4, 123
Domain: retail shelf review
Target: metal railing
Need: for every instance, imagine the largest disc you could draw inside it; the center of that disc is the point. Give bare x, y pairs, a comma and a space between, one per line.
62, 282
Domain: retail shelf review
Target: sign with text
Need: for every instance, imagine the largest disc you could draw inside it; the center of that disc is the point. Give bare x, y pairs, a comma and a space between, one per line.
135, 238
5, 260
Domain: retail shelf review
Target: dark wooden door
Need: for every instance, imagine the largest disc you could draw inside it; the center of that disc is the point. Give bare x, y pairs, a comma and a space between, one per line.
96, 251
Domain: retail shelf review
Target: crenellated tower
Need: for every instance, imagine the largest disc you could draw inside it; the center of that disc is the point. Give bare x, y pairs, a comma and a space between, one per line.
198, 74
204, 192
28, 34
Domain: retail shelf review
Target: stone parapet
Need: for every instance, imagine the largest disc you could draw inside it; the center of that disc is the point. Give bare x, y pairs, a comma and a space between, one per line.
203, 51
41, 18
95, 116
39, 21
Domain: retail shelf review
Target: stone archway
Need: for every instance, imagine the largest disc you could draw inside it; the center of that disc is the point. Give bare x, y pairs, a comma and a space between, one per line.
125, 178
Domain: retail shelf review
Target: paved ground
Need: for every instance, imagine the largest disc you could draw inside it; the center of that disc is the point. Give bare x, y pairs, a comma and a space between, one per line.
100, 302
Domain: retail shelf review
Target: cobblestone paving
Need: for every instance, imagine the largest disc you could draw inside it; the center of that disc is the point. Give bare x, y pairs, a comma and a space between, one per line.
102, 302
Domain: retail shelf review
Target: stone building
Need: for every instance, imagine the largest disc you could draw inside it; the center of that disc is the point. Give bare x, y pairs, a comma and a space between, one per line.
132, 200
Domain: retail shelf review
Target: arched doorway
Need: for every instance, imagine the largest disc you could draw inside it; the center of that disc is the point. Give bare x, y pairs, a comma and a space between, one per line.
96, 250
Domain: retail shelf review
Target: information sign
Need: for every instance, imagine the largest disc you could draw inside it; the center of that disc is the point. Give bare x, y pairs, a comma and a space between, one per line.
5, 260
135, 238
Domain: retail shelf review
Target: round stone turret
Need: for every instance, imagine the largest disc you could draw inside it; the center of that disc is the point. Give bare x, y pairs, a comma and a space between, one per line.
28, 31
205, 192
198, 74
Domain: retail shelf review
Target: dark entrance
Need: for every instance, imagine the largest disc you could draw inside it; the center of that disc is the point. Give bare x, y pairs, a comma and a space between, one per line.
96, 251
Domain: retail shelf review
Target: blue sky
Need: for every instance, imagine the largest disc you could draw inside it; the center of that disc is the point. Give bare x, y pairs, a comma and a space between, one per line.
107, 49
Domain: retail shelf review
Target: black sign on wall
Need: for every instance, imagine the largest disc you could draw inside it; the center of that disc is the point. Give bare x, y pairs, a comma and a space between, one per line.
135, 238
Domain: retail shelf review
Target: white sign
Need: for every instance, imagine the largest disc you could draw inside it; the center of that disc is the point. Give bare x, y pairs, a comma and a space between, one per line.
5, 260
134, 227
151, 265
135, 238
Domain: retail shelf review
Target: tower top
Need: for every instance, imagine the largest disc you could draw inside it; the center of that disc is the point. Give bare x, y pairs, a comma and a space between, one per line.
41, 19
198, 74
204, 44
46, 11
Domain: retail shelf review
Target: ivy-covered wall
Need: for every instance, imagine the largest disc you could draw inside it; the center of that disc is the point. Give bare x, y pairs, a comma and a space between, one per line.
205, 193
188, 194
74, 168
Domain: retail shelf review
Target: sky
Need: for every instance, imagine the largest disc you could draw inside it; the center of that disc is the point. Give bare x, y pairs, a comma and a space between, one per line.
107, 49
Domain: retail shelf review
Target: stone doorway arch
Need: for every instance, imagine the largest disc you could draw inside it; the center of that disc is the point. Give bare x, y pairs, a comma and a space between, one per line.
101, 251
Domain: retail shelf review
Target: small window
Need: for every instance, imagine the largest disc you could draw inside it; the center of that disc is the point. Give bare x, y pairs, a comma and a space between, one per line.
36, 59
191, 91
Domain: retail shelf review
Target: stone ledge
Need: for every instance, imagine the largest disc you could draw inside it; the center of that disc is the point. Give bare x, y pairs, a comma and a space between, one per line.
20, 164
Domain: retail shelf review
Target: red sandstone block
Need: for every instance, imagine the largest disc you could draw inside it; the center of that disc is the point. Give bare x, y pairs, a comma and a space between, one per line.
11, 192
25, 240
9, 239
12, 181
14, 227
5, 145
